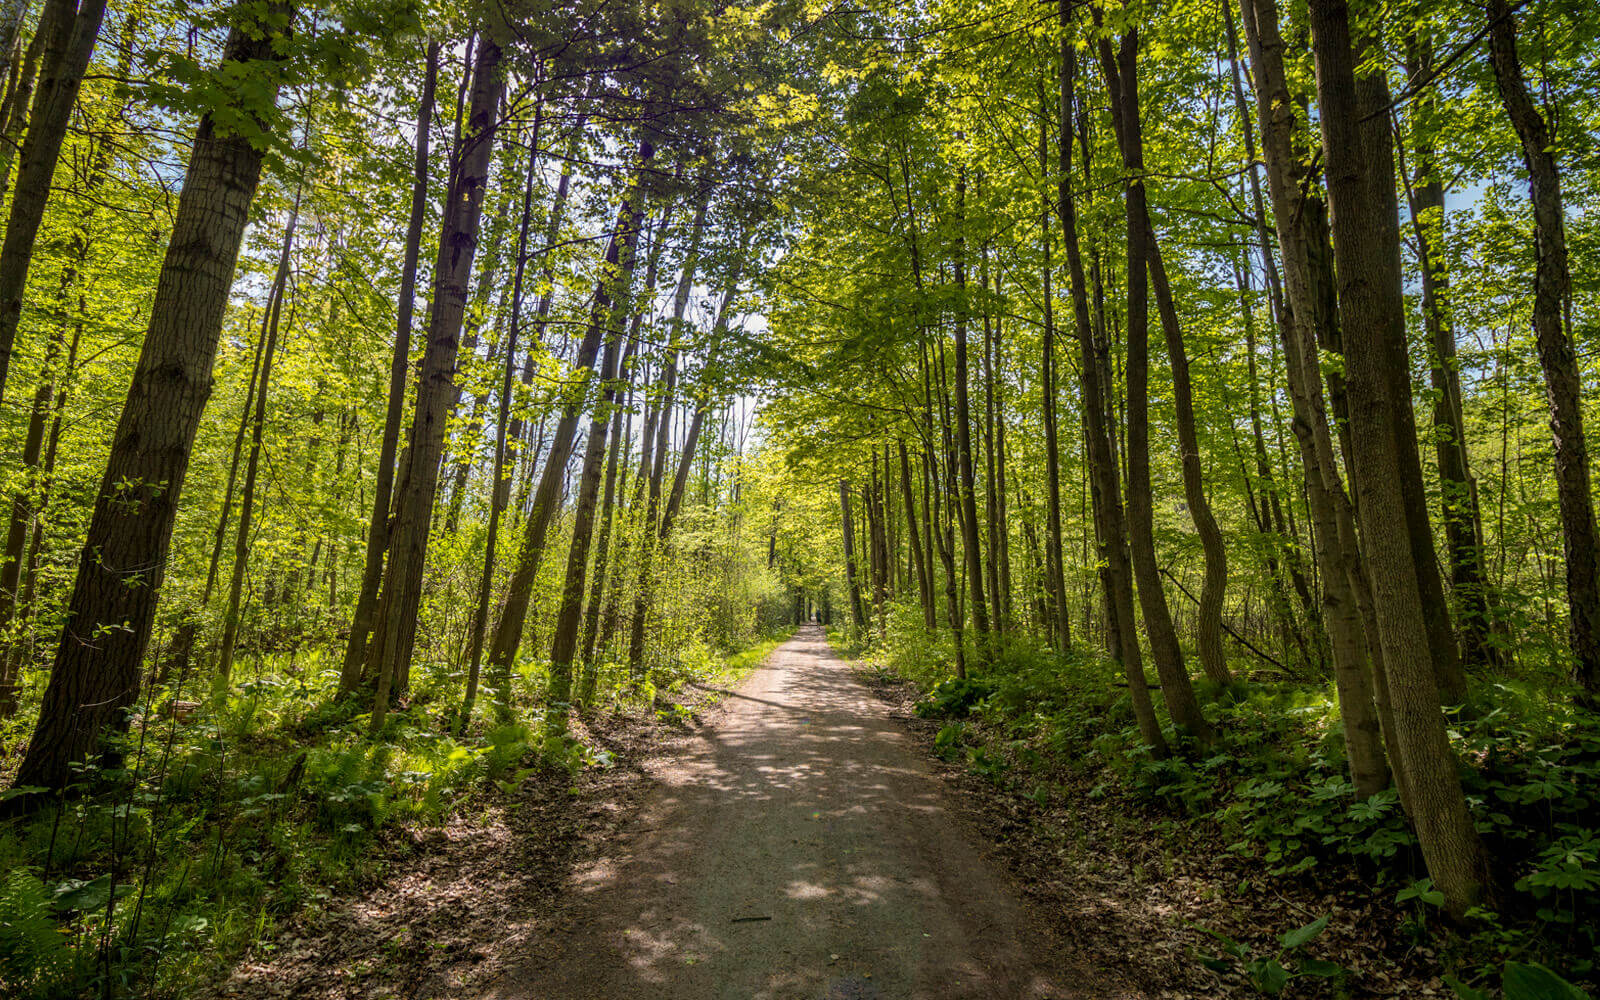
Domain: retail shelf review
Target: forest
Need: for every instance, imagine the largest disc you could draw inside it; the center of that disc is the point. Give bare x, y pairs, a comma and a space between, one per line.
419, 420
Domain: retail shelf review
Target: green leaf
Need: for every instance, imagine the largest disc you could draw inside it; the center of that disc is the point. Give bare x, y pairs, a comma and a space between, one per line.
1269, 977
1294, 939
1535, 982
1321, 968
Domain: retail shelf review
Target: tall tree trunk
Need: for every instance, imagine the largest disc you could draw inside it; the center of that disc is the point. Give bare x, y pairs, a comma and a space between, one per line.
1366, 244
1336, 547
924, 581
258, 424
1055, 582
1458, 490
119, 574
564, 644
12, 15
1106, 493
69, 30
968, 498
499, 484
1552, 328
858, 619
399, 371
1176, 690
992, 490
390, 656
519, 592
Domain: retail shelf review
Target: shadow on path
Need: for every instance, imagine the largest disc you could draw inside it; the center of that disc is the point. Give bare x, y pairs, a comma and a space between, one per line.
798, 847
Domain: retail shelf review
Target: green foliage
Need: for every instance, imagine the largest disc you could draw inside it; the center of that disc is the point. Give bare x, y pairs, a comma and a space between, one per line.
1271, 973
1523, 981
34, 954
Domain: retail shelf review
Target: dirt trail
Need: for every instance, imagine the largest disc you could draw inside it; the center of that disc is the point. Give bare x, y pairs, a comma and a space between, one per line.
797, 847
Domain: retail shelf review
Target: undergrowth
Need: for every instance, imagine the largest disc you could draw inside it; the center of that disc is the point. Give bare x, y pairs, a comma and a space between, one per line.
1274, 790
150, 877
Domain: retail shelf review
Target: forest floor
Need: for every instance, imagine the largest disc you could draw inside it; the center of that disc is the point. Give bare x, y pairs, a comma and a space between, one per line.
798, 838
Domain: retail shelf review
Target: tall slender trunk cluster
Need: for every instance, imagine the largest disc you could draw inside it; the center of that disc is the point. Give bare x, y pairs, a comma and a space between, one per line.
389, 654
1366, 244
378, 528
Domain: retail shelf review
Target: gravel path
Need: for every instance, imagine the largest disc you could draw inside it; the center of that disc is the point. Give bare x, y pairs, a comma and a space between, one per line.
799, 846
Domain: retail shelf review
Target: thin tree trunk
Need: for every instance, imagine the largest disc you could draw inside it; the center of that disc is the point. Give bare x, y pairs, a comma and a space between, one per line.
1176, 690
968, 498
1055, 581
69, 31
924, 582
1106, 493
519, 593
1552, 328
258, 422
564, 644
390, 656
1458, 490
500, 485
857, 613
1343, 573
399, 370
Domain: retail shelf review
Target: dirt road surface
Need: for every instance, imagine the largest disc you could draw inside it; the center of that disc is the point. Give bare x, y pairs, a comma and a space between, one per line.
798, 847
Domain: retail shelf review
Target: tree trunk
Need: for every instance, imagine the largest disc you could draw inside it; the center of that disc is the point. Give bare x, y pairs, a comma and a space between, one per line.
258, 423
1458, 490
968, 498
390, 657
1176, 690
499, 484
1106, 493
1367, 254
1055, 581
519, 592
1552, 322
924, 582
857, 613
119, 574
69, 31
1343, 573
565, 642
399, 371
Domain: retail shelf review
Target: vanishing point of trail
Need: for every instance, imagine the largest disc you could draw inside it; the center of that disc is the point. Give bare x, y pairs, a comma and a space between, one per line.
798, 847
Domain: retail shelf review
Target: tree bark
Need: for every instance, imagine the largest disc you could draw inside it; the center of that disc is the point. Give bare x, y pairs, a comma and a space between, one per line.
1106, 492
499, 484
258, 423
390, 657
399, 371
1360, 169
1552, 323
564, 644
69, 30
1055, 581
857, 613
519, 592
1458, 489
1343, 572
968, 498
1176, 690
